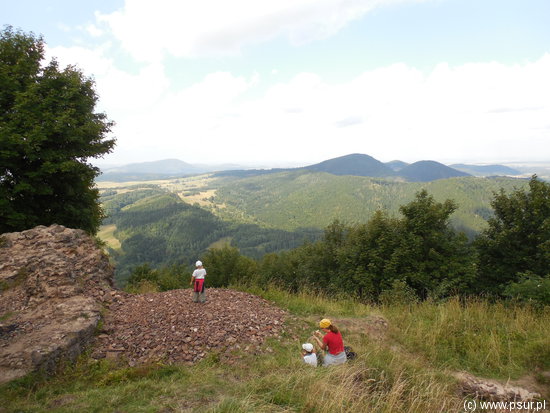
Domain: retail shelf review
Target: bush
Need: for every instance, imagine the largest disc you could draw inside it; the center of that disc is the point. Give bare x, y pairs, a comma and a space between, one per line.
143, 279
399, 293
530, 288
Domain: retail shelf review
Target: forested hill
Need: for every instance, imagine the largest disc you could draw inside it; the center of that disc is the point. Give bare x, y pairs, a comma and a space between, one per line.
155, 226
486, 170
364, 165
296, 199
174, 221
427, 171
355, 164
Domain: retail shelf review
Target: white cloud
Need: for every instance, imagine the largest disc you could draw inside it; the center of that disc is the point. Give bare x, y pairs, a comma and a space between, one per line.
484, 111
448, 114
148, 30
94, 31
118, 90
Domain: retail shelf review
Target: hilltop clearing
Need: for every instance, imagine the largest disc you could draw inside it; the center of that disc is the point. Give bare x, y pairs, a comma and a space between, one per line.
56, 283
169, 327
239, 352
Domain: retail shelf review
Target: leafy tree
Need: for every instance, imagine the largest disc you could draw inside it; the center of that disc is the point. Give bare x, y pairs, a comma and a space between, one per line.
48, 130
226, 265
419, 250
368, 250
530, 288
517, 240
432, 256
162, 279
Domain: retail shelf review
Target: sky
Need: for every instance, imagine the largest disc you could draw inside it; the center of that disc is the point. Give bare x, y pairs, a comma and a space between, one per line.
295, 82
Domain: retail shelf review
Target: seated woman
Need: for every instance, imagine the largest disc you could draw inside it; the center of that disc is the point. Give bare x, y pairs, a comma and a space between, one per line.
332, 343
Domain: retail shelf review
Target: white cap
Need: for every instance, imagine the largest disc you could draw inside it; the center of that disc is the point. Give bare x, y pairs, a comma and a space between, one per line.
198, 264
308, 347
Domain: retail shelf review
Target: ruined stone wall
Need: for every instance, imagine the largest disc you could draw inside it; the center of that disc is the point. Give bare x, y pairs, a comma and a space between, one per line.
53, 283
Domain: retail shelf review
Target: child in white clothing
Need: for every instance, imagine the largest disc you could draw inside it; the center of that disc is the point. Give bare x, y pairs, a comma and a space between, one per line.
308, 354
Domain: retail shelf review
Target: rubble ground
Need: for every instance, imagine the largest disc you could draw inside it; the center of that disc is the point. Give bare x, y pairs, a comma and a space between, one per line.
169, 327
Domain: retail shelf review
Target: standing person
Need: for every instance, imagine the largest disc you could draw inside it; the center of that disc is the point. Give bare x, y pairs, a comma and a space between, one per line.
332, 343
197, 281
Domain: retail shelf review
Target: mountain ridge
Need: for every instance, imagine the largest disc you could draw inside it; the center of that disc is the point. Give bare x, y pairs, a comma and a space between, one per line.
354, 164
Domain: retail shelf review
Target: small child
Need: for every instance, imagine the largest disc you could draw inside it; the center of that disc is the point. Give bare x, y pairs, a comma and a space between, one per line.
308, 354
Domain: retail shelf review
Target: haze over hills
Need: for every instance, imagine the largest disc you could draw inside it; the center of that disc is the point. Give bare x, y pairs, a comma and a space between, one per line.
486, 170
161, 169
364, 165
354, 164
427, 171
397, 165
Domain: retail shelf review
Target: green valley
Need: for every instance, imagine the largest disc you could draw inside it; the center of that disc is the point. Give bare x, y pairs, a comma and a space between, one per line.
172, 221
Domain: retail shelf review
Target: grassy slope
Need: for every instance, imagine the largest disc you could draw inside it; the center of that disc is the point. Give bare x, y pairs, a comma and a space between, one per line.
106, 233
404, 371
290, 200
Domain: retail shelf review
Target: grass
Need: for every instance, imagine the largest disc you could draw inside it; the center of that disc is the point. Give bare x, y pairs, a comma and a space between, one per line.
107, 234
406, 370
501, 340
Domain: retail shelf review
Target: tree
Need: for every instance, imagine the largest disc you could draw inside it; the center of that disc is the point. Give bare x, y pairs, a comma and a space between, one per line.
420, 249
517, 240
433, 257
227, 266
48, 131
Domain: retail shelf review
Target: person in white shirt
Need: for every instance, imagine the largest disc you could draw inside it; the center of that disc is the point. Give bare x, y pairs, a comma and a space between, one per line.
308, 354
197, 281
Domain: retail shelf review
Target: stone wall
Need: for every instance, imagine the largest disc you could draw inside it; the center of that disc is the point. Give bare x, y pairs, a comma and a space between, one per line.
53, 284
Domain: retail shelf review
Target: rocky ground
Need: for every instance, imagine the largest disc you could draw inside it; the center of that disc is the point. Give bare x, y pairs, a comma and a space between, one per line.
169, 327
57, 299
54, 282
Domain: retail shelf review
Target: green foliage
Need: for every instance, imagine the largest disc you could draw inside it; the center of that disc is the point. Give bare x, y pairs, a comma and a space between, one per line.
226, 266
400, 293
48, 130
363, 260
295, 199
530, 288
518, 237
156, 226
143, 278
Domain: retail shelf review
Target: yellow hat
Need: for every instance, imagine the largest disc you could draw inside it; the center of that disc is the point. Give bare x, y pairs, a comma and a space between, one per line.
324, 323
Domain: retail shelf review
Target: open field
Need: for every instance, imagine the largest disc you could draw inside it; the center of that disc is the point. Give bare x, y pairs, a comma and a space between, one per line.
106, 233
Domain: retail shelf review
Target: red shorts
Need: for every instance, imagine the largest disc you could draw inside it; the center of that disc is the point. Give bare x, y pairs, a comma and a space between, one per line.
199, 286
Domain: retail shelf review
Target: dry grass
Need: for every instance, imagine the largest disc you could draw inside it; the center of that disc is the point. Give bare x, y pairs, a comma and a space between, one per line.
403, 370
106, 234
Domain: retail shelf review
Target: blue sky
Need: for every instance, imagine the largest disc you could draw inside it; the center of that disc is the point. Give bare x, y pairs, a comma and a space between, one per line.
296, 82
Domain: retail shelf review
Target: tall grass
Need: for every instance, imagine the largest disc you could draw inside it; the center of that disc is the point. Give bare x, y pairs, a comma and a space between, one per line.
405, 370
304, 303
493, 339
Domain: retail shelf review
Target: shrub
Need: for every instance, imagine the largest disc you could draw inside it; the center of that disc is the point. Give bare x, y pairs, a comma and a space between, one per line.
399, 293
530, 288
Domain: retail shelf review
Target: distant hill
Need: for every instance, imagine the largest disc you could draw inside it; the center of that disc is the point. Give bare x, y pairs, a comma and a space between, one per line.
397, 165
355, 164
165, 166
427, 171
162, 169
486, 170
